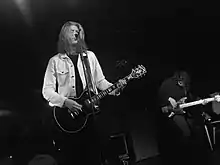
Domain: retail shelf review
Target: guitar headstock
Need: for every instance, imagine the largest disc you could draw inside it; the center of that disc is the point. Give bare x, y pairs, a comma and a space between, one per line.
138, 72
216, 96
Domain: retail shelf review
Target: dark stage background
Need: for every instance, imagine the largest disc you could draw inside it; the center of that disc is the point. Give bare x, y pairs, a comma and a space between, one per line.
161, 35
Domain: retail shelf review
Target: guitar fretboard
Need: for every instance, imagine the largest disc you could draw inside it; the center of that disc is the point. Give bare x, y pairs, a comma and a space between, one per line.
103, 93
196, 102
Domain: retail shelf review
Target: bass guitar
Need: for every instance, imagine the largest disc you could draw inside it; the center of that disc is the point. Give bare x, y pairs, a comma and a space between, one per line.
69, 122
180, 106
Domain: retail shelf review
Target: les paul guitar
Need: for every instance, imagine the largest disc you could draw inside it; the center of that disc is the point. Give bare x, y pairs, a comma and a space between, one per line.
69, 122
181, 105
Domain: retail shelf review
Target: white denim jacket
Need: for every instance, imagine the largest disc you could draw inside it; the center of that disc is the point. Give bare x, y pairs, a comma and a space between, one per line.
60, 69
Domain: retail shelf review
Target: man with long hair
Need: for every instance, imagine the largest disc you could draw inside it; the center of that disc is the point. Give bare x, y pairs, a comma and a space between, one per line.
65, 78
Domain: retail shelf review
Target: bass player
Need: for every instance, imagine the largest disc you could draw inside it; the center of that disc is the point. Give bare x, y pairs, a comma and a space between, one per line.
183, 131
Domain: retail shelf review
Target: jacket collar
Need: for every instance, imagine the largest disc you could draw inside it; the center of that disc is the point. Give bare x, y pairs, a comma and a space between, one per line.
63, 56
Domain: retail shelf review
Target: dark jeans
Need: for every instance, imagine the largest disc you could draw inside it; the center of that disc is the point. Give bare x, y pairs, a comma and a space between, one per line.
182, 140
83, 147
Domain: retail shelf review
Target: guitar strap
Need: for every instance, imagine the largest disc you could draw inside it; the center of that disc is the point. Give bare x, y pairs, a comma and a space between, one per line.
88, 76
87, 72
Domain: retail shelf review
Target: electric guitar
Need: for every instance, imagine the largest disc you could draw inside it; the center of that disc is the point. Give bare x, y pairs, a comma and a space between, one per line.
181, 105
69, 122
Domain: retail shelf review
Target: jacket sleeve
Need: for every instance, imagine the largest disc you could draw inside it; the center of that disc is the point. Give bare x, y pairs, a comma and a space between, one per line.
100, 81
49, 86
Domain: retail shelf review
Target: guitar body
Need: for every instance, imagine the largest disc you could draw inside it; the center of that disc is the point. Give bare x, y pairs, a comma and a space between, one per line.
169, 111
181, 105
71, 123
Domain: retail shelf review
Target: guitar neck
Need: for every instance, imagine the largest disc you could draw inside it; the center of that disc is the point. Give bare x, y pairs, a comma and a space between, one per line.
185, 105
108, 90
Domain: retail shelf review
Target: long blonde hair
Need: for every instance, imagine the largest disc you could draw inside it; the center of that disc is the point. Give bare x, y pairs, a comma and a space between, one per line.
63, 43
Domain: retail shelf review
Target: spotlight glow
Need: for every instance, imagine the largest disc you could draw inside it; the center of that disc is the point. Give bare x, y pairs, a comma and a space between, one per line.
24, 7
